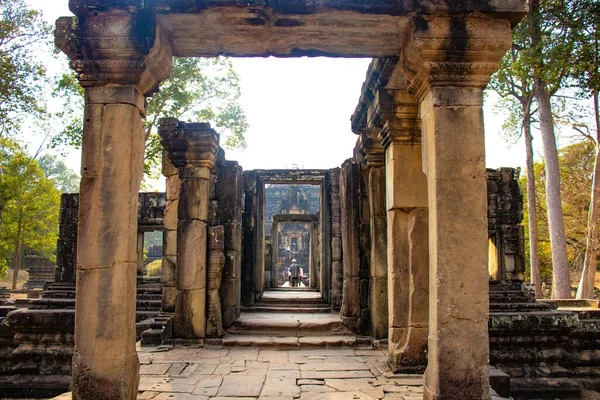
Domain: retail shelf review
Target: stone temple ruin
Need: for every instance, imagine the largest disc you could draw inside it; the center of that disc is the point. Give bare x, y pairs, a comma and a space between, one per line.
414, 244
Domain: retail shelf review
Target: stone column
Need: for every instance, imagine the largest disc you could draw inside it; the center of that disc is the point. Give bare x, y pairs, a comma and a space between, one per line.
337, 273
314, 254
407, 227
274, 253
216, 262
116, 78
447, 62
324, 278
169, 266
140, 253
192, 148
249, 238
349, 199
229, 192
374, 156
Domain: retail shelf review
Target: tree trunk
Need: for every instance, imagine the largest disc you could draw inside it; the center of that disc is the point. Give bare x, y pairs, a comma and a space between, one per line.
534, 259
561, 285
17, 258
590, 264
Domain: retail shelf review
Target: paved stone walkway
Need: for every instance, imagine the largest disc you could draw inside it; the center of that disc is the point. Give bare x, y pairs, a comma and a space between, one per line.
219, 374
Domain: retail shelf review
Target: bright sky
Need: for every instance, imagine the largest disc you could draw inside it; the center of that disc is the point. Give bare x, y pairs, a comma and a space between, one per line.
299, 110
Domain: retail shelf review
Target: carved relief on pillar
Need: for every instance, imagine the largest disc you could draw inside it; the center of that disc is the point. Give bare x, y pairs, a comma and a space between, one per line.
458, 52
115, 47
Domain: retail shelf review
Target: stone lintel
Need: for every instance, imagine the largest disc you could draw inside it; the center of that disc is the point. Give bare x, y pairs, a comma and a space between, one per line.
191, 147
455, 52
379, 73
295, 218
509, 9
117, 47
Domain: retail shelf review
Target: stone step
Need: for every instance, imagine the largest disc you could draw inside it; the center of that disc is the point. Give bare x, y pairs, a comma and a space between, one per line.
544, 388
536, 306
290, 342
279, 308
289, 325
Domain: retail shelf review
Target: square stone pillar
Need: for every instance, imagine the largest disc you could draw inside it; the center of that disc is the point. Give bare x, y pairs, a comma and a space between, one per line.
116, 79
105, 359
447, 62
374, 155
408, 258
169, 265
192, 148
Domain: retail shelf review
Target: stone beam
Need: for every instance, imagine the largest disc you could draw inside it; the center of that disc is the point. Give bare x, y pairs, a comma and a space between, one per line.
192, 148
447, 63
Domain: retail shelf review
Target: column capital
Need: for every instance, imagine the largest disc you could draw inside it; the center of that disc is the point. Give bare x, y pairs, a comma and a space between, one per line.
371, 149
447, 51
405, 126
189, 146
116, 47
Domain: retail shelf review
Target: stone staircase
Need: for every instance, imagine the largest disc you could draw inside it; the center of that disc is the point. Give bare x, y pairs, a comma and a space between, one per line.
549, 353
291, 319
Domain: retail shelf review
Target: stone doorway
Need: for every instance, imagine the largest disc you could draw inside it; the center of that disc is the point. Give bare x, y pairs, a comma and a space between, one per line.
420, 111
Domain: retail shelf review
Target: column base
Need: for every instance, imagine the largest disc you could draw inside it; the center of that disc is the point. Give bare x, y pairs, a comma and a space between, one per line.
452, 389
189, 321
103, 384
408, 350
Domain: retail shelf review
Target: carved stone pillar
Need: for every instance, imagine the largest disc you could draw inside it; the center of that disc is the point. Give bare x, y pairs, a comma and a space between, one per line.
337, 273
119, 60
349, 199
374, 156
169, 266
407, 240
192, 148
447, 62
314, 254
216, 262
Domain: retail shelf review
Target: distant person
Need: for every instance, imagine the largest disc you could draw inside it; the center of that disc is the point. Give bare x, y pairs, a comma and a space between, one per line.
294, 270
287, 275
300, 275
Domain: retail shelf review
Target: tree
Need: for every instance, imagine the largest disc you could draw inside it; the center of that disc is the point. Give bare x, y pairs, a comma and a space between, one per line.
21, 74
577, 168
514, 83
64, 178
585, 23
30, 217
549, 56
199, 89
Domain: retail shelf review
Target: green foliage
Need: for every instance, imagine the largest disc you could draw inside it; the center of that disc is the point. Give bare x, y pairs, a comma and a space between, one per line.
30, 214
153, 269
21, 74
585, 23
577, 167
199, 90
64, 178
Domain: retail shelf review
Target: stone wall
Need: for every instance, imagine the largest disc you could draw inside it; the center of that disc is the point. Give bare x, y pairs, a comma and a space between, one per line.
337, 273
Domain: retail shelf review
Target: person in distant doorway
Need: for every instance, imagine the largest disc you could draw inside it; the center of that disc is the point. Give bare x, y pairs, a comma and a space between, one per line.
294, 267
300, 275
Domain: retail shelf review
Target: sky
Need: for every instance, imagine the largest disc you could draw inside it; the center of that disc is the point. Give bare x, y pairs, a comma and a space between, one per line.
299, 111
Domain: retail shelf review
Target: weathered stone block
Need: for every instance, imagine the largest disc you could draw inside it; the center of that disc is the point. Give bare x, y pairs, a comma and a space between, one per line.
189, 321
194, 199
191, 254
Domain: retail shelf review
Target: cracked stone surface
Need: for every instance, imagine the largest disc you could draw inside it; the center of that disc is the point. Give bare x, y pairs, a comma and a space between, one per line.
266, 374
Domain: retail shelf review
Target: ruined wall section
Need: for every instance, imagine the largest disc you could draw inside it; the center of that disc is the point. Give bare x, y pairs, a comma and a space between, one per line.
505, 214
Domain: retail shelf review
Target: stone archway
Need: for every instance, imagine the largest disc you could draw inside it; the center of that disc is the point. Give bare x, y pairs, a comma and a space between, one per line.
447, 50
